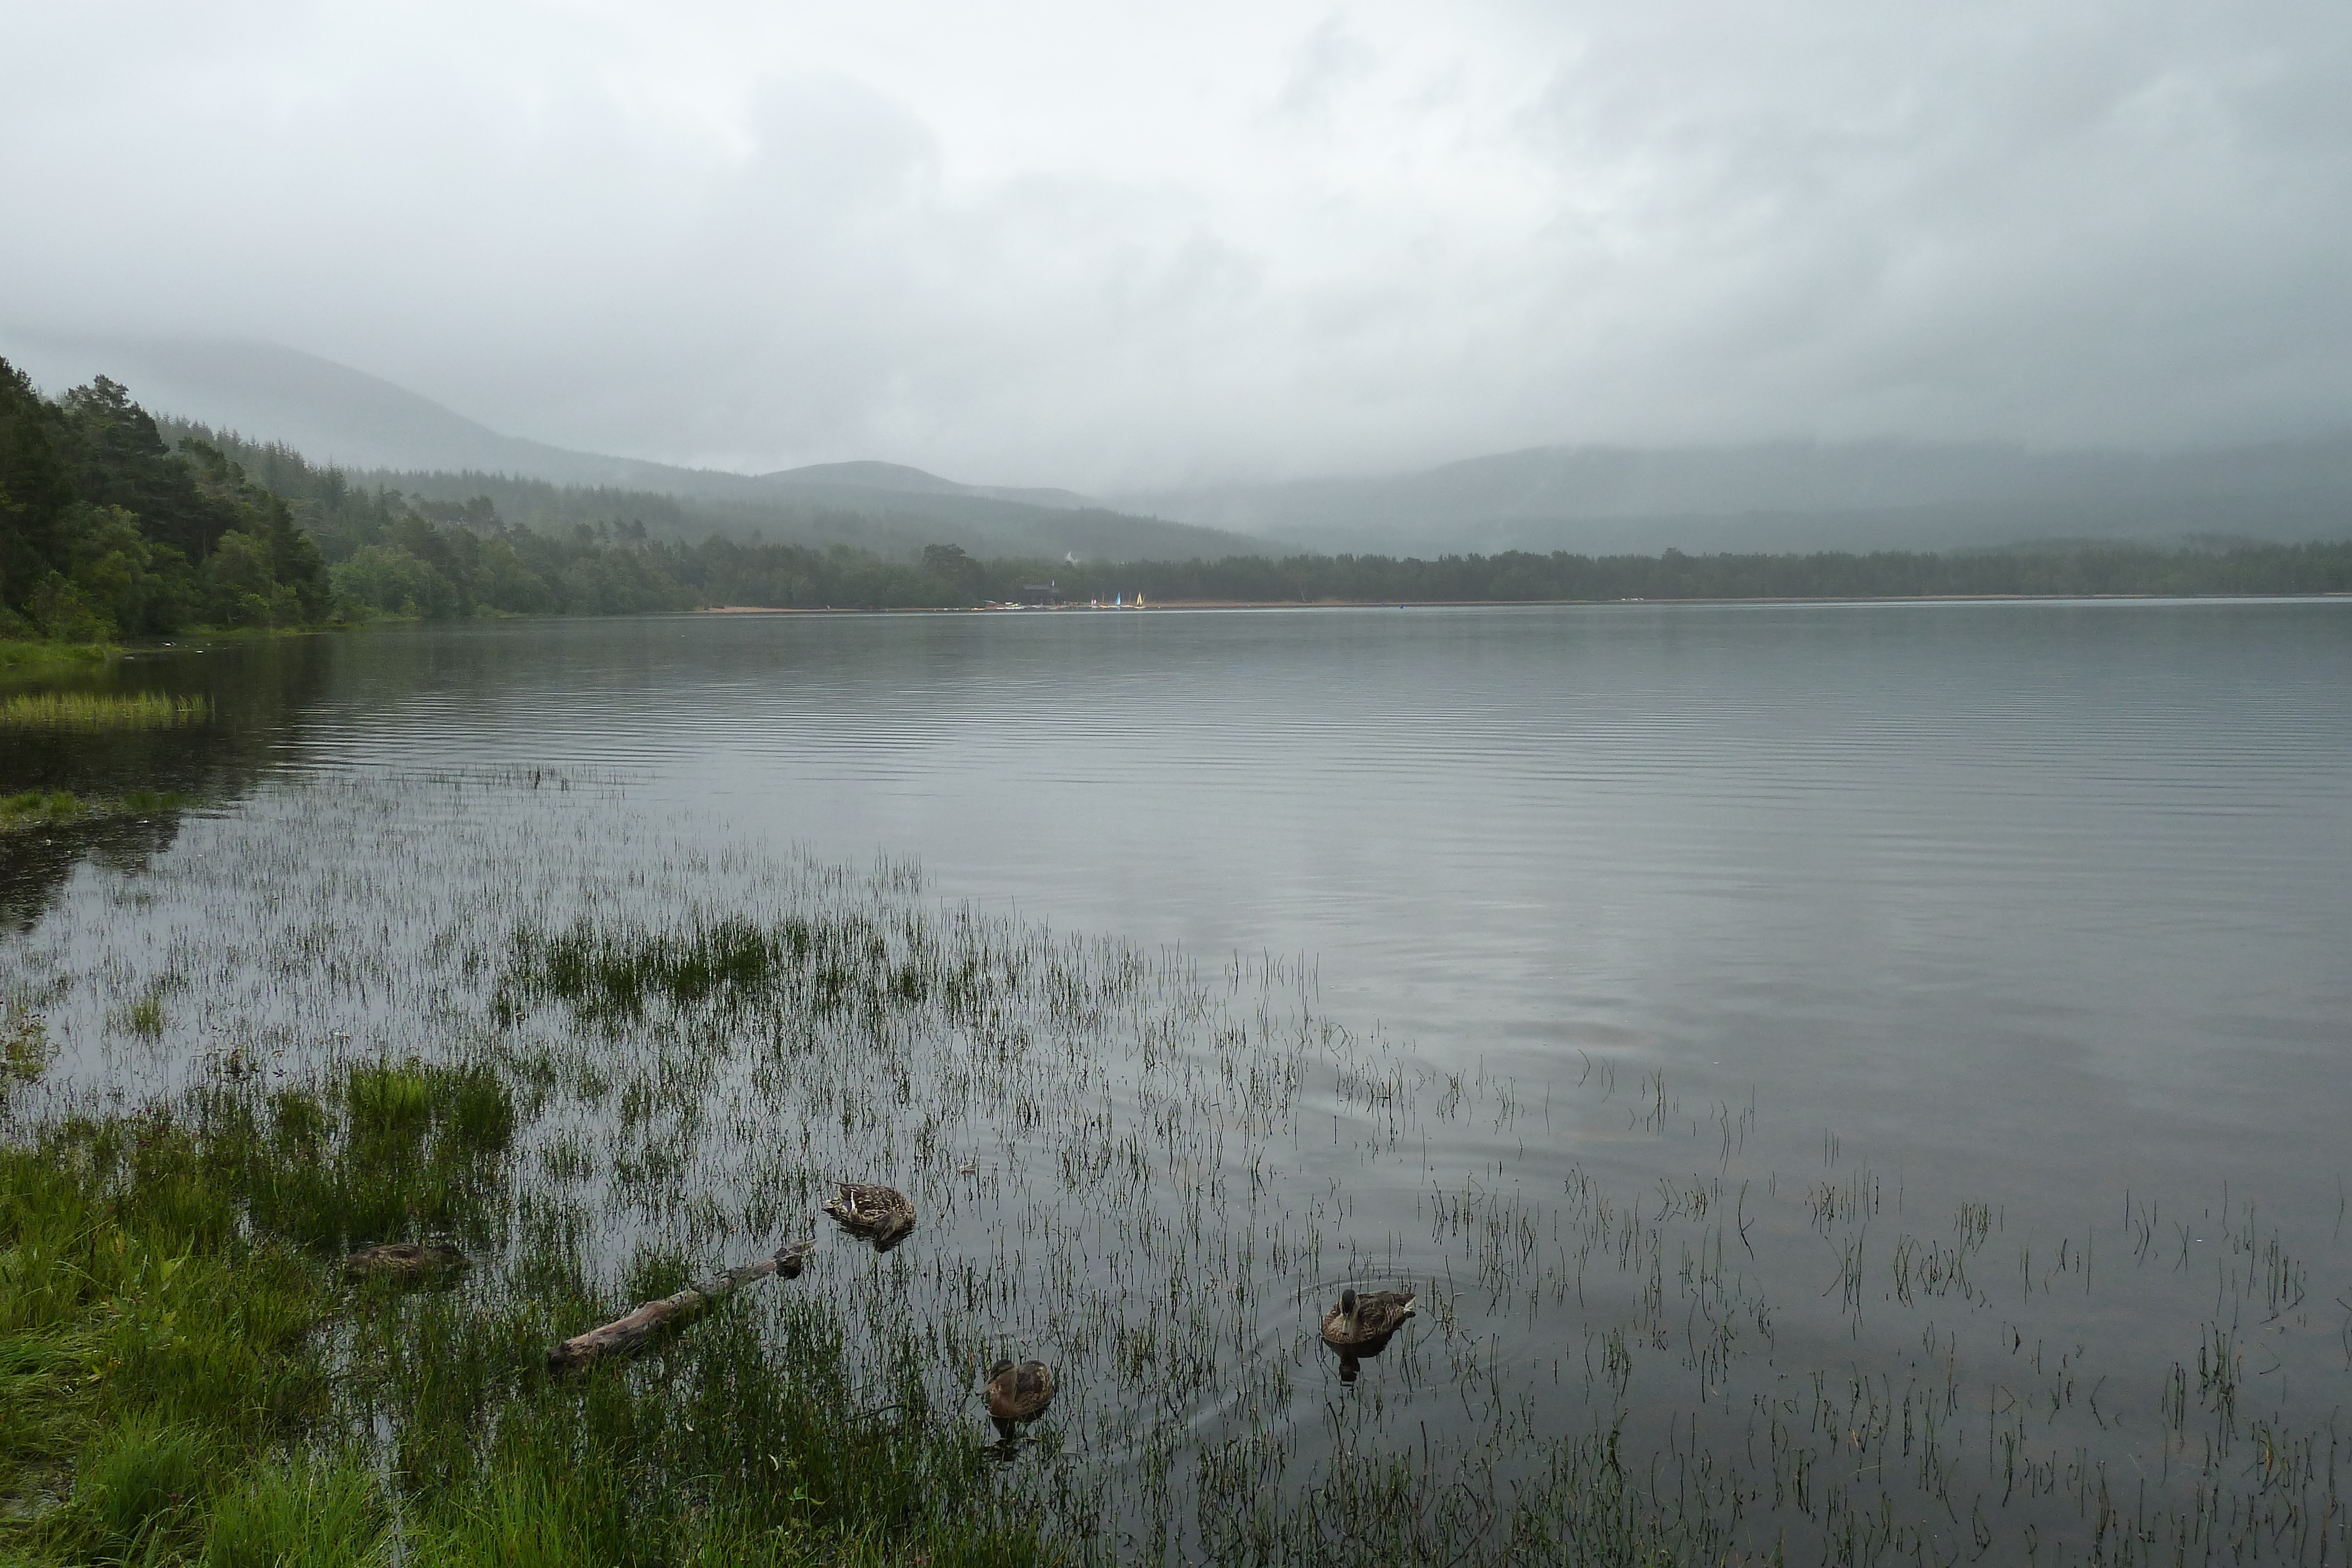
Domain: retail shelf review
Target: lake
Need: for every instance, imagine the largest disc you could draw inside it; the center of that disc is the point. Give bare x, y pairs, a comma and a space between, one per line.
1746, 1026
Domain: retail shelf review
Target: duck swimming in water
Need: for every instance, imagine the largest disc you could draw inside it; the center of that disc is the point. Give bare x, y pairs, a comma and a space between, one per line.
880, 1214
1362, 1323
1017, 1394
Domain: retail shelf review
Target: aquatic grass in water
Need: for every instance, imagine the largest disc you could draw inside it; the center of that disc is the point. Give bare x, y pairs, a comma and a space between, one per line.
417, 1150
101, 710
1649, 1332
617, 973
35, 810
38, 809
25, 1050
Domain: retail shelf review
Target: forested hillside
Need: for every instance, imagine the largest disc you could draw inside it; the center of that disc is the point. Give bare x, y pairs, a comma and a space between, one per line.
106, 532
397, 553
400, 553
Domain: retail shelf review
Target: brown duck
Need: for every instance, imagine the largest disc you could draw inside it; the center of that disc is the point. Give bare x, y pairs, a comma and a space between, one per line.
403, 1260
880, 1214
1362, 1324
1017, 1394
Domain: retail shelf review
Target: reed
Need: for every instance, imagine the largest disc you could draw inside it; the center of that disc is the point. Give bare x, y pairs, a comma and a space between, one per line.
101, 710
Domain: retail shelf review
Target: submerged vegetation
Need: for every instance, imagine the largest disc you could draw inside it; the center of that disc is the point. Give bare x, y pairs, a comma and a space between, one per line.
601, 1063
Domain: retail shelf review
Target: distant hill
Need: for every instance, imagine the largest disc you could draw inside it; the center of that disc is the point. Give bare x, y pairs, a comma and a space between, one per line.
328, 411
382, 432
891, 521
898, 478
1856, 496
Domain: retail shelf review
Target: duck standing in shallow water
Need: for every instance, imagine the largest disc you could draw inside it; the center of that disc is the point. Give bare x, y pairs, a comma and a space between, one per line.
880, 1214
1017, 1394
1361, 1324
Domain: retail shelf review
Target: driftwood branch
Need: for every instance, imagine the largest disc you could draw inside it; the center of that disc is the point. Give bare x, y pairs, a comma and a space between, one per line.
630, 1334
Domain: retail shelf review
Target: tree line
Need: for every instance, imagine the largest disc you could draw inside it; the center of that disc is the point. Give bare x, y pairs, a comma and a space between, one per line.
106, 532
2072, 570
110, 530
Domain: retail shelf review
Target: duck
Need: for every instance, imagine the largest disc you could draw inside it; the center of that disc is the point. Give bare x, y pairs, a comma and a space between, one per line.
403, 1259
881, 1214
1363, 1323
1017, 1394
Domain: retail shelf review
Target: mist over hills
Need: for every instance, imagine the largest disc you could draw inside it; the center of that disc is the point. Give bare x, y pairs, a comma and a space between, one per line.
1794, 496
384, 433
899, 479
1777, 496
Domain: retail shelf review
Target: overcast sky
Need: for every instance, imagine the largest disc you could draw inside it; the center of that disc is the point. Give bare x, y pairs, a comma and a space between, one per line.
1105, 243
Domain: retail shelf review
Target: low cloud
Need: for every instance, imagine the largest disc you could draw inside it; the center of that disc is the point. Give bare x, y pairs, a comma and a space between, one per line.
1079, 246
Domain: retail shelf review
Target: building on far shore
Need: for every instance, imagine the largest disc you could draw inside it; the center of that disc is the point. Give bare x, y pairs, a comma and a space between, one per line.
1037, 593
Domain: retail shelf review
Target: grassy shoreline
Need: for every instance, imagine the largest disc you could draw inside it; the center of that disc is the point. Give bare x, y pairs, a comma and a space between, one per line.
186, 1375
41, 656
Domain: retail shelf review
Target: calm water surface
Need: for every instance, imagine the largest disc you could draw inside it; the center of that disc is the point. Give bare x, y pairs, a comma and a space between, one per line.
2039, 906
2037, 893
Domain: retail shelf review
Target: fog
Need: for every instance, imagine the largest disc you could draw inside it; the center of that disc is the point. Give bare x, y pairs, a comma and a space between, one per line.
1116, 246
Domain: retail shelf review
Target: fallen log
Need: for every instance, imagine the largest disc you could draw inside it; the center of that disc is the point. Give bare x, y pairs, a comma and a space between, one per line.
629, 1334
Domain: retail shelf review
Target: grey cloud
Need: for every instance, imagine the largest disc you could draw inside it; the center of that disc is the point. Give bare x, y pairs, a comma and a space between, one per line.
1318, 240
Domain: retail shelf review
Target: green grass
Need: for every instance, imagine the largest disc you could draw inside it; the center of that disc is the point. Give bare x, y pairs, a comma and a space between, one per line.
101, 710
31, 656
37, 808
314, 1513
186, 1378
41, 809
